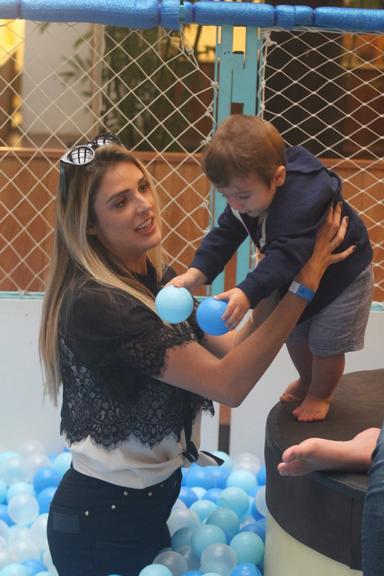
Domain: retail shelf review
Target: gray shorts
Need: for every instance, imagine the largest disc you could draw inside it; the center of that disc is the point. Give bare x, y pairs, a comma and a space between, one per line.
340, 326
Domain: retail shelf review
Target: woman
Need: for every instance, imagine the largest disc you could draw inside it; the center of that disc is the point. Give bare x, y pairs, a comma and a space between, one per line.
134, 387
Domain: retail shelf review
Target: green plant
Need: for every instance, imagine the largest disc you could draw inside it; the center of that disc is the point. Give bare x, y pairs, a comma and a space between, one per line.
148, 85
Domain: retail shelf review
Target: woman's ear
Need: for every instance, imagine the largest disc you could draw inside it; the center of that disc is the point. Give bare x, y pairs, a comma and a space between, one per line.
91, 230
280, 175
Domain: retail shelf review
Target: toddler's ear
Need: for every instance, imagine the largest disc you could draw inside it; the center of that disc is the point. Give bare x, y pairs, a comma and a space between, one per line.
280, 175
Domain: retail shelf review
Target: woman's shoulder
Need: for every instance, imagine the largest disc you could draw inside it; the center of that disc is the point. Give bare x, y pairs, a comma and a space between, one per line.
90, 303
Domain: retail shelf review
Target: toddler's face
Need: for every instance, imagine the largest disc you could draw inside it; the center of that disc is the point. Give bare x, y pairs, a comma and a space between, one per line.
249, 194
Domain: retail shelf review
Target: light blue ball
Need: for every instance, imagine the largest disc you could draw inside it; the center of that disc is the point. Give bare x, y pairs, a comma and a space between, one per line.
225, 519
212, 494
218, 558
248, 547
3, 491
258, 527
44, 477
203, 508
199, 476
62, 462
4, 516
34, 567
236, 499
45, 498
188, 496
174, 304
227, 464
209, 315
243, 479
246, 569
155, 570
219, 476
20, 488
261, 476
205, 535
182, 537
14, 569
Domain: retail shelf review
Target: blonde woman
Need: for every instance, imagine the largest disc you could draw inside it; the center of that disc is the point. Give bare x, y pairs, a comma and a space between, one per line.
134, 387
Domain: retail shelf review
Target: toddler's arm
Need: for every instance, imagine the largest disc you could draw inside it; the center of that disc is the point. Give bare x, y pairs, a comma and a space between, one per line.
238, 306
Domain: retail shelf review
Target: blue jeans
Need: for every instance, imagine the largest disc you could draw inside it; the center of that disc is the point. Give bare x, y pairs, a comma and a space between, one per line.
373, 520
96, 528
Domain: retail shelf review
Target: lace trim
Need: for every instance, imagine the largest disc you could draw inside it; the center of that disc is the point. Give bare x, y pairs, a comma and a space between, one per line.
113, 405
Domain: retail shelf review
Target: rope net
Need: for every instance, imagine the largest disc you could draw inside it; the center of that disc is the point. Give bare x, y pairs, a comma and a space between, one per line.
325, 91
60, 84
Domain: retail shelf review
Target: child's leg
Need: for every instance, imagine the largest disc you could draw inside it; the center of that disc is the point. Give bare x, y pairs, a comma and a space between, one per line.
301, 357
321, 454
326, 374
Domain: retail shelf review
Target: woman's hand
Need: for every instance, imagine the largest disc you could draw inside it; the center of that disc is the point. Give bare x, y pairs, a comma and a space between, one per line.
329, 236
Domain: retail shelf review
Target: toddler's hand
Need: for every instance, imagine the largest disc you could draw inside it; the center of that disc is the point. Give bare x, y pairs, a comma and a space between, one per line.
191, 279
238, 305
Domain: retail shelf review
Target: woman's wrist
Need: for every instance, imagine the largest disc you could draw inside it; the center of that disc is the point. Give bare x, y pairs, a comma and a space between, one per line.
301, 290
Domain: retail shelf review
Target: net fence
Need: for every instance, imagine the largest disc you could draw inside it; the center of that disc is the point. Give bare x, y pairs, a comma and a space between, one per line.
325, 91
60, 84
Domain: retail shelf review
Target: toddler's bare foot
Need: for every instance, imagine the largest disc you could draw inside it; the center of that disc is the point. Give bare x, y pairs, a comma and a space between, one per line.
295, 392
320, 454
312, 409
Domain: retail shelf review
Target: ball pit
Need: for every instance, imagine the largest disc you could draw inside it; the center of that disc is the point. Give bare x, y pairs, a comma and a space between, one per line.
217, 525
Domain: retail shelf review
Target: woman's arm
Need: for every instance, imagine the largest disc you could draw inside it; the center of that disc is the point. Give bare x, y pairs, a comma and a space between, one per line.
231, 378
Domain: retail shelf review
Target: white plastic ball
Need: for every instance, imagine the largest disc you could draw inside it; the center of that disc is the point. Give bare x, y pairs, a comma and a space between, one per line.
23, 509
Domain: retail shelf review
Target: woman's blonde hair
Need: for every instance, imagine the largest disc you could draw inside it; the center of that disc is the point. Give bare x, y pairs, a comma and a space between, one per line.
243, 145
75, 253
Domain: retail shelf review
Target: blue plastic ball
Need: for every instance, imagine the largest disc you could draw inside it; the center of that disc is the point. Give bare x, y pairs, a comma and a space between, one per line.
181, 537
205, 535
45, 498
3, 491
4, 516
14, 569
243, 479
258, 527
45, 477
209, 315
219, 475
188, 496
33, 567
203, 508
174, 304
236, 499
246, 569
261, 476
20, 488
200, 476
62, 462
248, 547
155, 570
212, 494
225, 519
255, 512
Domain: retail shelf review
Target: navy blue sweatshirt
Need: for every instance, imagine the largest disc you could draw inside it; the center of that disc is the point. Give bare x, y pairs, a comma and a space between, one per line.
288, 235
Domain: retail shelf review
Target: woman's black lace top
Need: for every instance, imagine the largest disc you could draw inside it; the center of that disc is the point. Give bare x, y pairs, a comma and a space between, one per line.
111, 349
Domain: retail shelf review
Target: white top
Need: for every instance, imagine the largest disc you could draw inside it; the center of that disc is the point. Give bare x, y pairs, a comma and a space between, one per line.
132, 464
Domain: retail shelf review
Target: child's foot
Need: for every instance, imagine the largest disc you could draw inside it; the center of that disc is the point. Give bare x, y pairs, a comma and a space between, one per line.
320, 454
312, 409
295, 392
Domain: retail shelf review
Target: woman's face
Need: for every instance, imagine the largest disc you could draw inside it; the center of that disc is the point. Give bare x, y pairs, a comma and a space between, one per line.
124, 210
